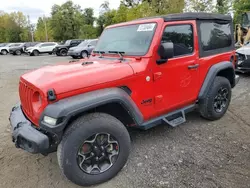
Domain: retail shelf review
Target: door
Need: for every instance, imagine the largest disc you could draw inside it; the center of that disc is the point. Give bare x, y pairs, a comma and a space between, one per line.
176, 80
43, 48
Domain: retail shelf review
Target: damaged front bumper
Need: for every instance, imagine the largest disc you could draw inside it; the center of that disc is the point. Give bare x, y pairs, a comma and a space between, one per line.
24, 135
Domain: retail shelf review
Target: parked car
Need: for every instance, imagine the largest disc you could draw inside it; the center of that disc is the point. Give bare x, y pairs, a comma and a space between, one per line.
18, 50
62, 49
142, 73
243, 64
83, 50
41, 48
4, 50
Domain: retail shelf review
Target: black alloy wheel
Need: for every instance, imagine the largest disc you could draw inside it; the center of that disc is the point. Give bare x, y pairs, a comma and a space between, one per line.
98, 153
221, 100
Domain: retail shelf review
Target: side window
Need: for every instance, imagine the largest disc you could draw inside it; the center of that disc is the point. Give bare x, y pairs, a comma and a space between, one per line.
182, 38
215, 35
74, 43
44, 45
50, 44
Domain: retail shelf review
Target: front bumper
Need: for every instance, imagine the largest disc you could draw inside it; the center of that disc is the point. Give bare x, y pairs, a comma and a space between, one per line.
24, 135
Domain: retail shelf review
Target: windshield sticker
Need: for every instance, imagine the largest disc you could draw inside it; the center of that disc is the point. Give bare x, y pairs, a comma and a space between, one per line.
146, 27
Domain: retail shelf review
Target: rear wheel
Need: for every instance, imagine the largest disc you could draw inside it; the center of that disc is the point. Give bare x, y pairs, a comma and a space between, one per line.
4, 52
35, 53
94, 149
217, 100
63, 52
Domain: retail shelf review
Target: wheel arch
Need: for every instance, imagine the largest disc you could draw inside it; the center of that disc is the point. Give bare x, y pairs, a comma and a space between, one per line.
224, 69
113, 101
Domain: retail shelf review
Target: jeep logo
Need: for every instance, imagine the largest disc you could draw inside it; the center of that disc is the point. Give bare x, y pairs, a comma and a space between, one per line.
146, 101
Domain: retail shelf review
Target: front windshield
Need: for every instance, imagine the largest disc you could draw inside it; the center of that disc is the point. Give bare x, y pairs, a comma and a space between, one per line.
67, 42
130, 39
84, 43
37, 44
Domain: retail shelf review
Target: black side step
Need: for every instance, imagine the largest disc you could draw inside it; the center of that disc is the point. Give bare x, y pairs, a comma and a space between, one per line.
173, 119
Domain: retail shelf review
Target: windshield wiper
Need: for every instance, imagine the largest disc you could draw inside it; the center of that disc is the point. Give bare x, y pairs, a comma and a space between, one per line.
99, 52
118, 52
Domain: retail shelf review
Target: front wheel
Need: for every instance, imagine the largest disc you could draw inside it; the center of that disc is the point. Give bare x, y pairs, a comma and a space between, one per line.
93, 149
217, 100
18, 52
63, 52
35, 53
84, 54
4, 52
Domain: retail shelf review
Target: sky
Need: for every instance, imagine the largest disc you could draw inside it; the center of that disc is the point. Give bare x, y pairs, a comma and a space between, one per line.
37, 8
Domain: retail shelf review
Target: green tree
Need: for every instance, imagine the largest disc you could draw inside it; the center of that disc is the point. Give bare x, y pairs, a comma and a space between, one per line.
199, 6
66, 21
223, 6
40, 32
240, 7
88, 16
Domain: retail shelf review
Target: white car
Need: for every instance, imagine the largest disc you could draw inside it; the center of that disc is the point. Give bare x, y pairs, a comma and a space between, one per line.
46, 47
5, 49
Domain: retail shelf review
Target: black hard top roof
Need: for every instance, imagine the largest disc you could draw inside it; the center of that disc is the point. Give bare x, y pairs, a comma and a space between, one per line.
192, 16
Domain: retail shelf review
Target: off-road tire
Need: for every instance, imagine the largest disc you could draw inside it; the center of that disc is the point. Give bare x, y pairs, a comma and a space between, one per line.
77, 132
35, 53
63, 52
4, 52
206, 106
84, 54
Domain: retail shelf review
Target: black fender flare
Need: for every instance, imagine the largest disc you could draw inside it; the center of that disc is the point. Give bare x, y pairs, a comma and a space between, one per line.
212, 73
71, 106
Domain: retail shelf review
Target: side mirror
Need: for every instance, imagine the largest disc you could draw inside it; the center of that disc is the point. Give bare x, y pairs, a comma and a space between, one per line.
165, 51
89, 45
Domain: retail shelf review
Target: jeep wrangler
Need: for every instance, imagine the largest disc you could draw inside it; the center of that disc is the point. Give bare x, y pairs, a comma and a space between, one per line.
142, 73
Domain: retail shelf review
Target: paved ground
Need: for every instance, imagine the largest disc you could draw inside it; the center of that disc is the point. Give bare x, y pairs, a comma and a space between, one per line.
198, 154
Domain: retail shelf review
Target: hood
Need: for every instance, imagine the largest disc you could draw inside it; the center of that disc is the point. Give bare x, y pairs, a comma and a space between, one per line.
76, 48
245, 50
61, 46
73, 76
4, 47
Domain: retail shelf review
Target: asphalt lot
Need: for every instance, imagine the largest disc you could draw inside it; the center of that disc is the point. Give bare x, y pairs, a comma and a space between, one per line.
199, 153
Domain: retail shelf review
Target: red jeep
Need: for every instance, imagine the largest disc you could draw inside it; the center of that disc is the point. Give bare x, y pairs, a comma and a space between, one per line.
141, 74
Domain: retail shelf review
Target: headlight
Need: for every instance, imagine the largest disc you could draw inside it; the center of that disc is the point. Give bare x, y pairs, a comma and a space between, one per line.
49, 120
36, 101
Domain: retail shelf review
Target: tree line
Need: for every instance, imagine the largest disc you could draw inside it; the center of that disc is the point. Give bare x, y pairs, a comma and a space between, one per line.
69, 20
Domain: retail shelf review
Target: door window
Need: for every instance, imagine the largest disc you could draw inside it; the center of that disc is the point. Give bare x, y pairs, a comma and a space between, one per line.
182, 38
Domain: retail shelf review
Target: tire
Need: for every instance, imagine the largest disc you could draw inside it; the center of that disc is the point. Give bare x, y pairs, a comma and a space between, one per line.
63, 52
209, 108
35, 53
75, 137
4, 52
84, 54
18, 52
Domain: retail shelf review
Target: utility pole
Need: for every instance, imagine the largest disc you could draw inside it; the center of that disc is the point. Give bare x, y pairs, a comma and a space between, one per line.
45, 27
31, 28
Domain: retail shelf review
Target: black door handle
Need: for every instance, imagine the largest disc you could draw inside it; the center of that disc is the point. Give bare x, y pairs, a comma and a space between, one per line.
195, 66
